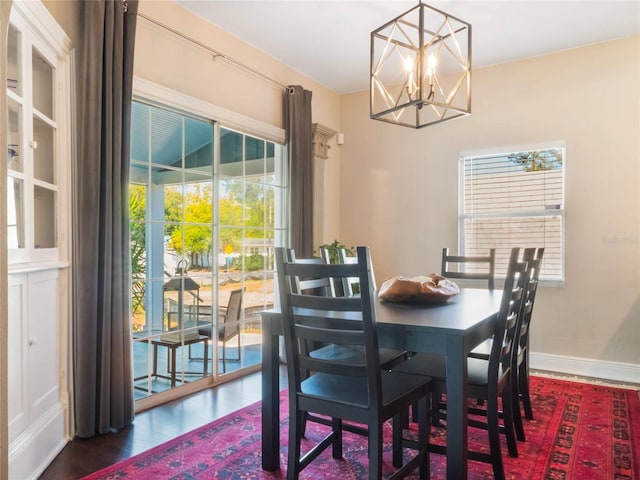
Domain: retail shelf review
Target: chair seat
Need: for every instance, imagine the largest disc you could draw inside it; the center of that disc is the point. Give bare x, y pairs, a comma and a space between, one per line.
434, 366
206, 330
483, 350
354, 392
388, 356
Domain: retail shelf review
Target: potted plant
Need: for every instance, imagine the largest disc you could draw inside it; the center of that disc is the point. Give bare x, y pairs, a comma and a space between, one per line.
334, 248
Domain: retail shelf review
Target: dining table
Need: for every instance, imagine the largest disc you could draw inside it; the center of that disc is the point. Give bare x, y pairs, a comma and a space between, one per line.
452, 329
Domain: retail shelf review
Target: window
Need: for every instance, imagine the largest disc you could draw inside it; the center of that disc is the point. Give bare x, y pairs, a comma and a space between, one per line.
514, 199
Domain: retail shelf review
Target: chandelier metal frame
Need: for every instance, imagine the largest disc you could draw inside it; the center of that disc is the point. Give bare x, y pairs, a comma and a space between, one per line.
421, 68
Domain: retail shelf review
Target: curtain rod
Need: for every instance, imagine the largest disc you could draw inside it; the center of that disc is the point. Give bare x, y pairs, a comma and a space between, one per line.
216, 54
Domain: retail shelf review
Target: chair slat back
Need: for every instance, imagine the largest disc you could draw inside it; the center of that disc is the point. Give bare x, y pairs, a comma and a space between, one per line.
533, 257
309, 285
506, 325
325, 255
465, 267
348, 283
348, 321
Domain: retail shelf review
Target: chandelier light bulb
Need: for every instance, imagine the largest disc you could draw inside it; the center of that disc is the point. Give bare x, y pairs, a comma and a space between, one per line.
432, 62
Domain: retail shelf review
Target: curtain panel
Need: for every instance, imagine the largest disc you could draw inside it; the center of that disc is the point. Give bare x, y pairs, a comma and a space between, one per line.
102, 352
300, 152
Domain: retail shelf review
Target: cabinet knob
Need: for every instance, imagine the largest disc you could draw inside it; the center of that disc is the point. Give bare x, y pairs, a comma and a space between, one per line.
32, 341
33, 144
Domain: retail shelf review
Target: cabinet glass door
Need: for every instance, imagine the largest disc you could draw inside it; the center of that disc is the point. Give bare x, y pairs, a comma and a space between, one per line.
15, 178
42, 78
14, 83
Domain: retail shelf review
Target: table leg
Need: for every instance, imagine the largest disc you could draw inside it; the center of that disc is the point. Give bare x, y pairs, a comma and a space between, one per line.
270, 405
456, 409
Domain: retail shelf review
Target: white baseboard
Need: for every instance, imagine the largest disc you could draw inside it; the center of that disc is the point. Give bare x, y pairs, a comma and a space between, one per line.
586, 367
36, 447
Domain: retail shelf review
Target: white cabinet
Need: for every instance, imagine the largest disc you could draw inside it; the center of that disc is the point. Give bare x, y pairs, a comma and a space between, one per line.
38, 192
37, 410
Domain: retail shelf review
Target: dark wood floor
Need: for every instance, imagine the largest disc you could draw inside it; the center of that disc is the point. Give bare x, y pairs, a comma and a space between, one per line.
155, 426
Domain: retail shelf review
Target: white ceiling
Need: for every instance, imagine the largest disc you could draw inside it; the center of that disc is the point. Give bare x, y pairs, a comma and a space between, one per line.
329, 40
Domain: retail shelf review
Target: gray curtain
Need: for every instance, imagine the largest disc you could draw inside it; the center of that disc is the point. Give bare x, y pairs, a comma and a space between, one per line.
103, 379
299, 142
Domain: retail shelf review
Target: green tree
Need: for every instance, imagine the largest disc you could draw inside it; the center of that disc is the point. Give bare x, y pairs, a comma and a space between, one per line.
198, 216
137, 212
254, 197
538, 160
231, 223
172, 208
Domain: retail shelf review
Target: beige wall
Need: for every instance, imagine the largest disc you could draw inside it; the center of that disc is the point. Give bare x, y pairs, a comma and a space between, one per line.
67, 14
406, 201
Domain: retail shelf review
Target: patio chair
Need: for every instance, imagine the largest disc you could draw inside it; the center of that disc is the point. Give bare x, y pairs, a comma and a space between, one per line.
228, 325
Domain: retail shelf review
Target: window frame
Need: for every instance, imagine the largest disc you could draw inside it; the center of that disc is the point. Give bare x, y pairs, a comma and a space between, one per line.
559, 212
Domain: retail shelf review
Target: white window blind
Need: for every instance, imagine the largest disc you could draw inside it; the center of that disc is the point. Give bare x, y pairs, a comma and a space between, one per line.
514, 199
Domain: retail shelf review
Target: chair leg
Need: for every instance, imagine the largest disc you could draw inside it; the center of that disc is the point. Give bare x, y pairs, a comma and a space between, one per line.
336, 426
507, 402
375, 450
304, 424
295, 437
399, 422
515, 408
424, 428
224, 357
523, 387
404, 418
435, 409
493, 430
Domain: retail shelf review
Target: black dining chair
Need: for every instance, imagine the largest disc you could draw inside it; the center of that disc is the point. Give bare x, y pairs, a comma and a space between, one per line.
520, 367
533, 257
488, 380
476, 268
467, 267
357, 391
325, 287
347, 353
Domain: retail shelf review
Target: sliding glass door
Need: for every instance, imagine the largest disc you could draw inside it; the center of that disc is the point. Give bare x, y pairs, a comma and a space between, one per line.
207, 208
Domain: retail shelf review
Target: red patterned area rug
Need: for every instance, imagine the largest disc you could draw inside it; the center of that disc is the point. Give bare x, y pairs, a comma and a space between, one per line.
580, 431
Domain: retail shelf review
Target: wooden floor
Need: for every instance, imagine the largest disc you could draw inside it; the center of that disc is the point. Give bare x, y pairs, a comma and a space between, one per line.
155, 426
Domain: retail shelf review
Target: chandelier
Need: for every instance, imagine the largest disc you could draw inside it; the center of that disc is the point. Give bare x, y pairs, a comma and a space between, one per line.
421, 68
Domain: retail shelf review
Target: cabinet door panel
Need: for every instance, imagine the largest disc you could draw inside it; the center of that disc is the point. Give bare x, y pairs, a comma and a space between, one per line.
16, 354
43, 340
